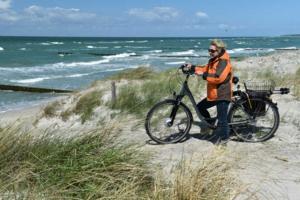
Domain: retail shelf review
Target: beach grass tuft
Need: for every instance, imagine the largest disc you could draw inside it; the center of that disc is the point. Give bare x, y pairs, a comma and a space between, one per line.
140, 73
89, 166
86, 105
51, 109
209, 179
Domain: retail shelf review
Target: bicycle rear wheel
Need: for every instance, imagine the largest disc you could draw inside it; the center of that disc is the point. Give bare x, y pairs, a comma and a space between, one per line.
255, 123
159, 125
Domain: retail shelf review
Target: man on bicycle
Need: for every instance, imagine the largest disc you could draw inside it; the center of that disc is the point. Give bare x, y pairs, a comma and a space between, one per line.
218, 74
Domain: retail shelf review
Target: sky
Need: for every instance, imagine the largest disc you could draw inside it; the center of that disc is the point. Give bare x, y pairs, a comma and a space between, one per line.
149, 18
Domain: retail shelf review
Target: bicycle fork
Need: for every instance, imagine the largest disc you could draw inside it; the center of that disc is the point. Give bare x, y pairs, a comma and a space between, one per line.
170, 121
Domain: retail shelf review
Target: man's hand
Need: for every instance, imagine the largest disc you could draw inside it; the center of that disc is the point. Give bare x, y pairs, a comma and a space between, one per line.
204, 75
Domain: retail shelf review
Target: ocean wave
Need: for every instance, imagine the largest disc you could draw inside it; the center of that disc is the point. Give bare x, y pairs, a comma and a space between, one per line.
155, 51
240, 42
188, 53
77, 75
117, 47
1, 49
287, 48
76, 64
175, 63
51, 67
90, 47
45, 43
136, 47
31, 80
122, 55
142, 41
22, 49
56, 43
40, 79
184, 53
249, 50
50, 43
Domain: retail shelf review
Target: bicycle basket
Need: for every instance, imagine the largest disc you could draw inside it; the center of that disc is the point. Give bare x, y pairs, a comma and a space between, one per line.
260, 88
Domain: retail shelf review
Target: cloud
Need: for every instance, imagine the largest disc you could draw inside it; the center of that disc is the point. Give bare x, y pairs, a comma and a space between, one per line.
155, 14
57, 14
5, 4
9, 16
201, 14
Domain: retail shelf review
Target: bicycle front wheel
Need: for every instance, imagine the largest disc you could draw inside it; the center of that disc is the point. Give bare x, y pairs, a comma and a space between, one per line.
255, 120
164, 128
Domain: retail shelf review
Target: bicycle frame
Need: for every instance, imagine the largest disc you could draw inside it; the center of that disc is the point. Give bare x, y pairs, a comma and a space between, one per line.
185, 91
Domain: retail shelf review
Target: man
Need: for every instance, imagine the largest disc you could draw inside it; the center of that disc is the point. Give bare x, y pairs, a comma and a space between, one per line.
218, 74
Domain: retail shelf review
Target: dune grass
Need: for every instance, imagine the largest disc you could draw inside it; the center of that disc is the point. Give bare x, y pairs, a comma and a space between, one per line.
92, 166
210, 179
86, 105
89, 166
51, 109
297, 84
139, 98
141, 73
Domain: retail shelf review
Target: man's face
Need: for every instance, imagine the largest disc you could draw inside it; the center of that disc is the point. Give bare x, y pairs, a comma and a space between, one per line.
213, 52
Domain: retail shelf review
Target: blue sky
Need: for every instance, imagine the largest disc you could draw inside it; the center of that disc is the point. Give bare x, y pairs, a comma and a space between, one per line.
149, 18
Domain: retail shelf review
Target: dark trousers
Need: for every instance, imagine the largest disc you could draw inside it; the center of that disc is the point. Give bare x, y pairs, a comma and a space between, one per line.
222, 130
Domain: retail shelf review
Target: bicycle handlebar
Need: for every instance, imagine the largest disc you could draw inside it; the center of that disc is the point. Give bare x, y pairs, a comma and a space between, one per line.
186, 70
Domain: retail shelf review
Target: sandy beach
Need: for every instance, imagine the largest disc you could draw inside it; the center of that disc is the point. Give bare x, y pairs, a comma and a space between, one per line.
271, 169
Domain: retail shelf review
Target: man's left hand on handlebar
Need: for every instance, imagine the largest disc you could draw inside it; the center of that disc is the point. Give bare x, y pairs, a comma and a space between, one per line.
189, 68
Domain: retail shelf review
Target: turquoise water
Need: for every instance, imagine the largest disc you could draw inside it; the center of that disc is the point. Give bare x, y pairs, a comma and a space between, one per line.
74, 62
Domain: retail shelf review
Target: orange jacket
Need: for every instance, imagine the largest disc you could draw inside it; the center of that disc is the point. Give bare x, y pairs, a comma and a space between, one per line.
219, 77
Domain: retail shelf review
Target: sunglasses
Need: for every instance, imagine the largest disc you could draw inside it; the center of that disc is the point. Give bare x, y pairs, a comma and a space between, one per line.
212, 50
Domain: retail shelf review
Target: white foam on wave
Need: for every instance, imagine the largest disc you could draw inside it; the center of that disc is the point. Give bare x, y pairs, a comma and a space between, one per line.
139, 41
249, 50
32, 80
77, 75
117, 47
155, 51
75, 64
142, 41
51, 67
184, 53
40, 79
240, 42
287, 48
57, 43
1, 49
51, 43
22, 49
175, 63
122, 55
45, 43
136, 47
90, 47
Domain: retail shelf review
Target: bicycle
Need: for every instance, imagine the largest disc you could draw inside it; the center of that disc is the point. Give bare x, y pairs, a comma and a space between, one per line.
252, 115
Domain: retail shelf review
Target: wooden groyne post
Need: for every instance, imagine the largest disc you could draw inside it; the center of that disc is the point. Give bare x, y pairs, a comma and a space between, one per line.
113, 93
32, 89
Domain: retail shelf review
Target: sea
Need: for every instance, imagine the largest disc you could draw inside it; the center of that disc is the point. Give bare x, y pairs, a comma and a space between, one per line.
73, 63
